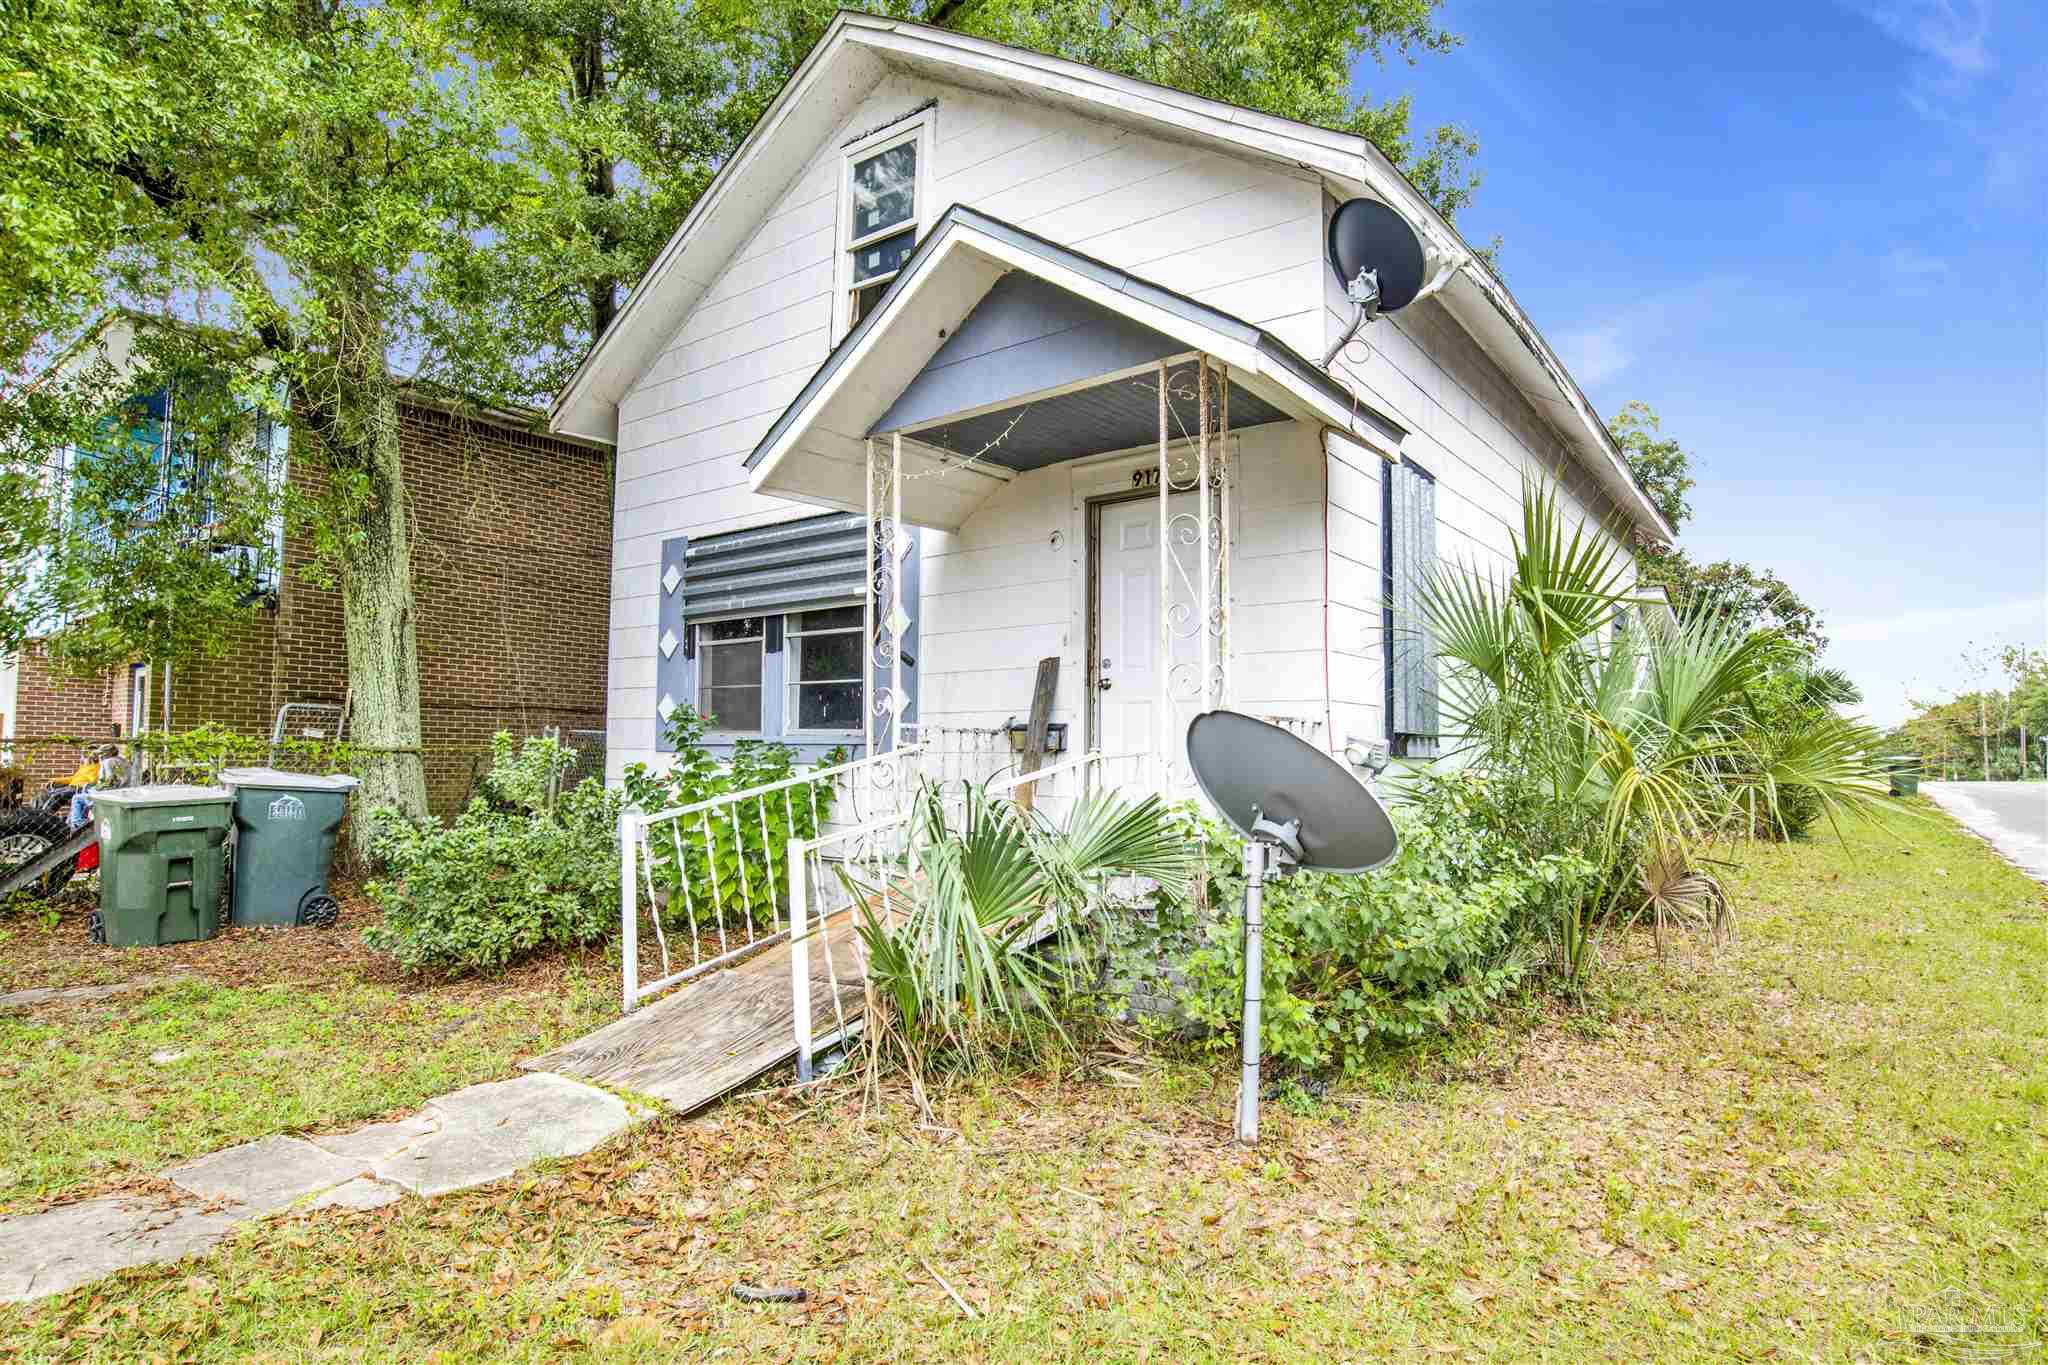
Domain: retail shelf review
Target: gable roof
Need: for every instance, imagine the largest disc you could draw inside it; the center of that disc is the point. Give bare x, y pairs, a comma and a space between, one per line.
858, 49
1175, 319
1065, 332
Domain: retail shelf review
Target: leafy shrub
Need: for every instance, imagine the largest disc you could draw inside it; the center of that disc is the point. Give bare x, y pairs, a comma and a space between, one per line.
739, 859
524, 867
200, 753
1436, 936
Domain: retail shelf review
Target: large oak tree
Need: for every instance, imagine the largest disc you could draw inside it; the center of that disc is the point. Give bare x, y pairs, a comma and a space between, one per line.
360, 195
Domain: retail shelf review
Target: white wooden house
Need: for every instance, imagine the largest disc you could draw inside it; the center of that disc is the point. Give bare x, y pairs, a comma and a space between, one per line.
893, 405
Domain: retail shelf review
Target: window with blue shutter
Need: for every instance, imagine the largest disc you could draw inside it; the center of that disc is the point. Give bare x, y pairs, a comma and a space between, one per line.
761, 631
1407, 555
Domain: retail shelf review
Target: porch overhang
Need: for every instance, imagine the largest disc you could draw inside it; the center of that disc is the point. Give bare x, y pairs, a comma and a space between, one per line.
996, 352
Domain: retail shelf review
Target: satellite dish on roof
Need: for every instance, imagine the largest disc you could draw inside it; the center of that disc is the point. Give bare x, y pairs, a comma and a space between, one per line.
1379, 259
1297, 808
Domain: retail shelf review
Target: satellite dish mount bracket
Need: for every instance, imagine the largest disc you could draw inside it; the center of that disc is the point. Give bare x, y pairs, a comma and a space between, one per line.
1283, 844
1364, 293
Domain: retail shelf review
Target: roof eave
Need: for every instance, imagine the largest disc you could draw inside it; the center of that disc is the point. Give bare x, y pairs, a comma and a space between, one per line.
1261, 358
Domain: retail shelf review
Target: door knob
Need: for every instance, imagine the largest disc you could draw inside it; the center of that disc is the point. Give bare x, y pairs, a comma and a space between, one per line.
1102, 685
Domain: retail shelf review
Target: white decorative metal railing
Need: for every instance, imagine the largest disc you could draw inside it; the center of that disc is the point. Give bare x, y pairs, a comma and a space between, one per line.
712, 870
706, 881
880, 854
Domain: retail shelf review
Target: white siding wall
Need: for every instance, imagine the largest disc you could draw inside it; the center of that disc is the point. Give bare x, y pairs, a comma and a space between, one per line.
1244, 238
1000, 594
1473, 432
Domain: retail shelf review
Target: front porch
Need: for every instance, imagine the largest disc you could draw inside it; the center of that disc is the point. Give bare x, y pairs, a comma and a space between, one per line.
1054, 459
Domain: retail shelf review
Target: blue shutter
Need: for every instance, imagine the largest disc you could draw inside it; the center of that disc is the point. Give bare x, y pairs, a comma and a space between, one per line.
675, 664
1408, 544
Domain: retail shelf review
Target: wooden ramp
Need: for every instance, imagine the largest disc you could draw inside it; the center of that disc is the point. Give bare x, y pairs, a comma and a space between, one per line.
715, 1034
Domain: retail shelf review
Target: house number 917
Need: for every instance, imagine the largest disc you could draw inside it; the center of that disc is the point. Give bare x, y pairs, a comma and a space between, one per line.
1148, 477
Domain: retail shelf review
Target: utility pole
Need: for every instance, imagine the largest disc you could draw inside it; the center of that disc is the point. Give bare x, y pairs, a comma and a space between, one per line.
1984, 734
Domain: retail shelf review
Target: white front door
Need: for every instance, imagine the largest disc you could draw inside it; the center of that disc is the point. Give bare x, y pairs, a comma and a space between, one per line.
1127, 625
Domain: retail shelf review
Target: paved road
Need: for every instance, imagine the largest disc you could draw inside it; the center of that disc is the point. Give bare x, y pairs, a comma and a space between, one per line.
2012, 816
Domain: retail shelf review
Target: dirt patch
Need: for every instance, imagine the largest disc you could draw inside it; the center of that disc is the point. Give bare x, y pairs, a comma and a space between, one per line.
40, 951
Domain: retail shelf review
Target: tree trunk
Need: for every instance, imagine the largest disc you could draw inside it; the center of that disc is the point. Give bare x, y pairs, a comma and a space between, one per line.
378, 618
600, 181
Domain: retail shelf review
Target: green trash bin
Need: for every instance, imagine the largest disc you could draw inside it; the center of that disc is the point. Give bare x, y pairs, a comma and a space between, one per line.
285, 826
161, 869
1905, 770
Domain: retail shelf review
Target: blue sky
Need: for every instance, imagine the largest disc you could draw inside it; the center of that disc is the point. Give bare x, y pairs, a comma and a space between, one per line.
1812, 236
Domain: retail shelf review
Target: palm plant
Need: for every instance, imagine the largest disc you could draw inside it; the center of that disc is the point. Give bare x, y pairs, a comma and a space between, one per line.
952, 941
1635, 744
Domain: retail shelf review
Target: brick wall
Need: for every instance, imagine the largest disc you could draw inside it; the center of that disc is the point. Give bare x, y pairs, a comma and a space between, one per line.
511, 573
50, 703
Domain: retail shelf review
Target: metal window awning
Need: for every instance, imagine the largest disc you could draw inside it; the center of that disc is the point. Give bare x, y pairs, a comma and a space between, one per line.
818, 561
996, 352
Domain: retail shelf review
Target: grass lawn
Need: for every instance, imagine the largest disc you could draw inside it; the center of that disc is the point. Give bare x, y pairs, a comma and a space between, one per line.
252, 1033
1808, 1147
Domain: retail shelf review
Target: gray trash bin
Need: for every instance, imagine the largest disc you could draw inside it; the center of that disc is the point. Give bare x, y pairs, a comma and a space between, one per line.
285, 826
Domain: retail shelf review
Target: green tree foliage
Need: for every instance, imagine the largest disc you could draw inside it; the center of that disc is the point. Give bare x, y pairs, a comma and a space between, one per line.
91, 93
140, 508
1978, 732
1661, 465
318, 177
1746, 597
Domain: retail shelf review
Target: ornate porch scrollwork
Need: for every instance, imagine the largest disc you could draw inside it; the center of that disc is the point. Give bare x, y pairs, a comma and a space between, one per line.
1194, 556
886, 620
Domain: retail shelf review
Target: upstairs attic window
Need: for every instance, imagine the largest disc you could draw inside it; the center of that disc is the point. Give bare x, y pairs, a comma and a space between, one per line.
882, 217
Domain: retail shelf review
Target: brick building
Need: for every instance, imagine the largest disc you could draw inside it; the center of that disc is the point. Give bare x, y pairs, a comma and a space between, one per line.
511, 574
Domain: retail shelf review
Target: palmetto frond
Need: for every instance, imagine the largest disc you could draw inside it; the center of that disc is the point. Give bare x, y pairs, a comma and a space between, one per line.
1675, 893
1828, 757
990, 882
1698, 674
1567, 584
1472, 622
1829, 687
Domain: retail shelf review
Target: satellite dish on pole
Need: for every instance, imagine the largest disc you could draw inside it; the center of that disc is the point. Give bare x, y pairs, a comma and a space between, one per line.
1297, 808
1378, 258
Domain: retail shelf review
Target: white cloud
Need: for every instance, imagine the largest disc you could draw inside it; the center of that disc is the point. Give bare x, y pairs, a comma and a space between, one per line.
1917, 655
1595, 355
1955, 33
1964, 623
1906, 260
1915, 274
1602, 350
